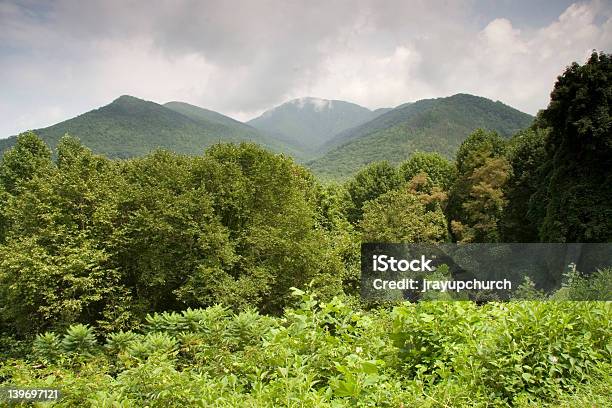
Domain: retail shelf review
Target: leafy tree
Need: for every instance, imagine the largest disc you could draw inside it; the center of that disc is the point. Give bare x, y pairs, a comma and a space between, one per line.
525, 154
370, 183
268, 205
332, 204
578, 205
440, 171
40, 289
476, 200
54, 269
478, 147
168, 232
29, 156
483, 209
401, 216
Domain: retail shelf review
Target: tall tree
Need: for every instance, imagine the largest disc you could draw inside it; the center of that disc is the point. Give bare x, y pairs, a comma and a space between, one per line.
578, 172
28, 157
402, 216
526, 155
476, 199
370, 183
484, 206
54, 267
440, 172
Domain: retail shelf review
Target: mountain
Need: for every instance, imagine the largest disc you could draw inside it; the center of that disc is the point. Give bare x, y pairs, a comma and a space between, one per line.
206, 116
438, 125
311, 122
131, 127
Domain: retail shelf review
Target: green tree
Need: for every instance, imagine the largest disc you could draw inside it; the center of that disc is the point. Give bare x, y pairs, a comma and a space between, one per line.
54, 269
168, 232
476, 199
440, 171
370, 183
526, 155
29, 156
578, 200
268, 205
401, 216
483, 209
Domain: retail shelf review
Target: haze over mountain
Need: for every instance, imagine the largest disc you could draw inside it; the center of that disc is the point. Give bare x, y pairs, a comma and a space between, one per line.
438, 125
311, 122
130, 127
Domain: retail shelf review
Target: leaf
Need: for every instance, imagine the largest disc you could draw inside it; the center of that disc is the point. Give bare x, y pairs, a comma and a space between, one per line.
369, 367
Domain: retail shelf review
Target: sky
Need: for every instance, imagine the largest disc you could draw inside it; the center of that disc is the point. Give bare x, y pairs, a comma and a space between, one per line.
61, 58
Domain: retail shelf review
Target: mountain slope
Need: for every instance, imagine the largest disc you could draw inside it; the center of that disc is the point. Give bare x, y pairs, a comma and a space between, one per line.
206, 116
130, 127
428, 125
311, 122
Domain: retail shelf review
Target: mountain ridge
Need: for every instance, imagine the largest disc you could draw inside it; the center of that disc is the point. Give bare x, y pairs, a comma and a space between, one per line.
437, 124
310, 122
130, 126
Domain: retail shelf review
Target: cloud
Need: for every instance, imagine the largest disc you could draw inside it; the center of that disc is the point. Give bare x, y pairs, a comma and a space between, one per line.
62, 58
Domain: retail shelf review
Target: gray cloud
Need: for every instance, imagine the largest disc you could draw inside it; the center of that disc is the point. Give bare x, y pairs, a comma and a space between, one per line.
241, 57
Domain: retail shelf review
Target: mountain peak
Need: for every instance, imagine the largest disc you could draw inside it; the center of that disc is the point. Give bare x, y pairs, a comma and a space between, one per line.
318, 104
438, 124
309, 122
125, 98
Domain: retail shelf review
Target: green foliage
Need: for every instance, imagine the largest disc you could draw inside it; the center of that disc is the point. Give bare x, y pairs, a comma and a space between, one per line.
579, 155
484, 207
47, 346
440, 172
526, 156
538, 349
105, 242
430, 354
370, 183
430, 125
30, 156
54, 269
576, 286
120, 341
527, 291
400, 216
130, 127
476, 149
477, 200
544, 349
79, 339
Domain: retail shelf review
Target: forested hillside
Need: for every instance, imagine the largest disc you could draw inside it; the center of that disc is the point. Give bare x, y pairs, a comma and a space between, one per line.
312, 122
431, 125
130, 127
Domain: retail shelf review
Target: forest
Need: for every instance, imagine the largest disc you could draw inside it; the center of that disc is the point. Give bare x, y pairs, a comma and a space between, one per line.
232, 278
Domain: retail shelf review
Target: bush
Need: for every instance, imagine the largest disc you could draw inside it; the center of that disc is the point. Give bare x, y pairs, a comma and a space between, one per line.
331, 353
